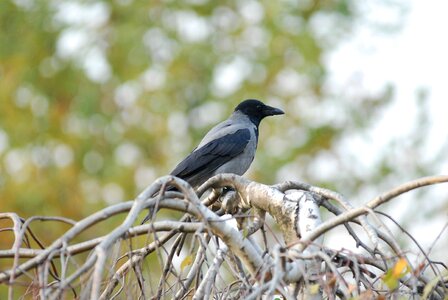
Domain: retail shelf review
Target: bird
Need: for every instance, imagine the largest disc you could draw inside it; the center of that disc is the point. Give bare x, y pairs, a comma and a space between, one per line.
229, 147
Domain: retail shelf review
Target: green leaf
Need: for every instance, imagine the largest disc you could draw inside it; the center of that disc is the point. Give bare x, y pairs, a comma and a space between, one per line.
393, 275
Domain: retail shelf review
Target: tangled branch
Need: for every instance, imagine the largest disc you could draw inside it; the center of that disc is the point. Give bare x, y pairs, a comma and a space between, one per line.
224, 247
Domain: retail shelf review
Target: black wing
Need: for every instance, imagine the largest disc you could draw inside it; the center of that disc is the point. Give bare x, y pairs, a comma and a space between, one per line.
200, 164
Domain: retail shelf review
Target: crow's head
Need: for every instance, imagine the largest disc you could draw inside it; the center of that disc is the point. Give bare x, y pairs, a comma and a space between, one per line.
257, 110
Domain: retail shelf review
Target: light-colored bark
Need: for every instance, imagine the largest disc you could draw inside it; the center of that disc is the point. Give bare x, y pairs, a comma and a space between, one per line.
228, 259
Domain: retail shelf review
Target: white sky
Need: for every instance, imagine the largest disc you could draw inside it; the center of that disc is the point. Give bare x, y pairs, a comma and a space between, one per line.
415, 57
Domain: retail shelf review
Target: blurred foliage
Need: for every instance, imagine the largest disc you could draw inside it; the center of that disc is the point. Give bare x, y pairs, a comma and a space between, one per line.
99, 98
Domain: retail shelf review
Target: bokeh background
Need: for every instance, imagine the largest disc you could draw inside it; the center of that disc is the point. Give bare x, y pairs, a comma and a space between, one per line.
99, 98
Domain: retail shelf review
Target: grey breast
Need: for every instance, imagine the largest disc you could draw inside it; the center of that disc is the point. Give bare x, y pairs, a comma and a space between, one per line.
241, 163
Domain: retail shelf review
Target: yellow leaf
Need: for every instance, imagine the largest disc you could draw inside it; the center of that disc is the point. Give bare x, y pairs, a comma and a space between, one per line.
314, 289
400, 267
393, 275
186, 262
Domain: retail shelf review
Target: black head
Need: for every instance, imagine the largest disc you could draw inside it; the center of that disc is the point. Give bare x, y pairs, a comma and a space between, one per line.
257, 110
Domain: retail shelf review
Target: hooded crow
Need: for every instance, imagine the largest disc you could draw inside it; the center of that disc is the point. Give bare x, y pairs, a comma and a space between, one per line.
229, 147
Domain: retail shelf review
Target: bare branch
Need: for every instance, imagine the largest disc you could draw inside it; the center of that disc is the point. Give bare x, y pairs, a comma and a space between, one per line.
289, 259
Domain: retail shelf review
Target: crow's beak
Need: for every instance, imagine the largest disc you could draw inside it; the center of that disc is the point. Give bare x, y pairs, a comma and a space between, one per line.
272, 111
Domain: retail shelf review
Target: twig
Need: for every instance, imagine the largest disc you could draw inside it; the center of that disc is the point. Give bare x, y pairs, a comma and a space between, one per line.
205, 287
383, 198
